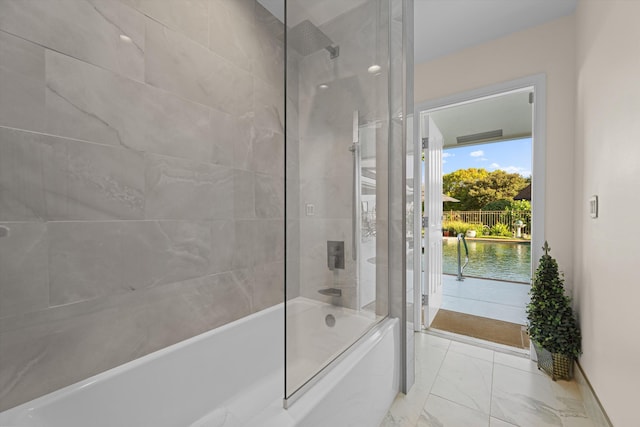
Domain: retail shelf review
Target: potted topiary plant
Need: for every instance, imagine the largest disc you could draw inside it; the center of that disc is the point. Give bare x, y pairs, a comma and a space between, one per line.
552, 327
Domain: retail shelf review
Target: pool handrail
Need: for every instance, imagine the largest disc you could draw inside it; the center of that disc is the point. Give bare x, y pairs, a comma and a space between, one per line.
461, 267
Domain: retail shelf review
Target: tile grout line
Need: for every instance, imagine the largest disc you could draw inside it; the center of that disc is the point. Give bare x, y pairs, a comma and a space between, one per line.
422, 407
493, 370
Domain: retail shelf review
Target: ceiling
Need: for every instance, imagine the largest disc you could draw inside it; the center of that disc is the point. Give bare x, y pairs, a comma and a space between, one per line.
510, 113
442, 27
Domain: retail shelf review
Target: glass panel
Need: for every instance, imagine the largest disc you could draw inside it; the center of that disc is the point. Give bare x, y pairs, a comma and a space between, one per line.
336, 184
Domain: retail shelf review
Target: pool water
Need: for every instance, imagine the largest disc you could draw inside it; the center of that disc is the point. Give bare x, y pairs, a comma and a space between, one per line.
489, 260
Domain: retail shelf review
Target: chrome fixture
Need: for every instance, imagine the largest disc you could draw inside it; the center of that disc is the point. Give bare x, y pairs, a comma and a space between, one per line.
335, 255
466, 260
331, 292
306, 39
355, 190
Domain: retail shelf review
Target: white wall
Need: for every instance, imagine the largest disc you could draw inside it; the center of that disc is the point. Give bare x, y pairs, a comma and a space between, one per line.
549, 49
607, 164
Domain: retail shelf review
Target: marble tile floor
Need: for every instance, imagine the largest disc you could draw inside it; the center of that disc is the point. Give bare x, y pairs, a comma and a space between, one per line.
486, 298
461, 385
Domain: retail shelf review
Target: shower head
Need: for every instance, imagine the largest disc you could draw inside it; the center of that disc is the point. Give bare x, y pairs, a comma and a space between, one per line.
306, 39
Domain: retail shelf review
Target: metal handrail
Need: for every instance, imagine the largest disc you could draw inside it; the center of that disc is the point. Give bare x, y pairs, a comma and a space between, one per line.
466, 261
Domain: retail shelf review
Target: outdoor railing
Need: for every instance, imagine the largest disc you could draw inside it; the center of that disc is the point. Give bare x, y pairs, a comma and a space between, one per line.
490, 218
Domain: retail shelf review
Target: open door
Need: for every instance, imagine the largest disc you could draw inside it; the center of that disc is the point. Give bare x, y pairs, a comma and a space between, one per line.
432, 219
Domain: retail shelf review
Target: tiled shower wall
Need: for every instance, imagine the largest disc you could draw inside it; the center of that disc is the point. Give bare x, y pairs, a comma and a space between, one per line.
141, 180
326, 164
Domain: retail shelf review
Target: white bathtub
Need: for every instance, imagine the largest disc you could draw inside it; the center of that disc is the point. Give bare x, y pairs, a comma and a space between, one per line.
231, 376
312, 343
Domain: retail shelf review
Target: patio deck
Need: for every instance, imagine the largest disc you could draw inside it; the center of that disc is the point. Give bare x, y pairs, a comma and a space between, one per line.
492, 299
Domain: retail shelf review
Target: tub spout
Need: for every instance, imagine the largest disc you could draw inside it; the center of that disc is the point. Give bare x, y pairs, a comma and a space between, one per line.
331, 292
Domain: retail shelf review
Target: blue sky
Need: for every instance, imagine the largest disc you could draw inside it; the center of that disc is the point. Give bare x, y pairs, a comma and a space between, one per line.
510, 156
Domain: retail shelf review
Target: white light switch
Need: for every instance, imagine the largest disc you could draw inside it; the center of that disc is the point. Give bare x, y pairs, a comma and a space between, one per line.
309, 209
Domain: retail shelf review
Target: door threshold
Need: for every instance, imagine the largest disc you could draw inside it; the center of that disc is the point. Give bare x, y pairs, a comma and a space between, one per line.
489, 345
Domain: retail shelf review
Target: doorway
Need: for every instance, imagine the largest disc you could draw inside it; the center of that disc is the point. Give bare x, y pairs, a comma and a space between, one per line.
481, 121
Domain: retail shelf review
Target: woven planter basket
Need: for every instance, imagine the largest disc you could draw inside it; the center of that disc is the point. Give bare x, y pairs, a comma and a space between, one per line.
557, 366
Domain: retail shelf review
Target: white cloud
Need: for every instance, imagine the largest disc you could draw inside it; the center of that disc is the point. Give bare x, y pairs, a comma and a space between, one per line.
517, 169
511, 169
444, 161
482, 159
446, 154
478, 153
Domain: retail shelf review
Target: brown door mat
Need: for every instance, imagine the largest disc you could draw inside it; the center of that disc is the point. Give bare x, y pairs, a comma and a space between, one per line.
483, 328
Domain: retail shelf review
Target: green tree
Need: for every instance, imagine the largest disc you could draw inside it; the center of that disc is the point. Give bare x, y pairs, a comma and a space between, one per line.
457, 184
520, 210
475, 188
498, 205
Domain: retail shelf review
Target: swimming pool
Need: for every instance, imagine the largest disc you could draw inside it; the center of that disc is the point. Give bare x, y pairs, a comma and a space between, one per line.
490, 259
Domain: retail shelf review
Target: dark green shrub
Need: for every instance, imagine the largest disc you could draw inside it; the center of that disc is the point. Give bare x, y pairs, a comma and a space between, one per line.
552, 323
498, 205
500, 229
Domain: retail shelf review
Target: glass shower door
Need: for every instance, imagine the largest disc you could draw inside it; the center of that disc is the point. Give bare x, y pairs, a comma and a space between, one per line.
337, 121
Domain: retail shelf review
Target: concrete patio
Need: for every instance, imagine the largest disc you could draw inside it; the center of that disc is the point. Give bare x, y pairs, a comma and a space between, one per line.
492, 299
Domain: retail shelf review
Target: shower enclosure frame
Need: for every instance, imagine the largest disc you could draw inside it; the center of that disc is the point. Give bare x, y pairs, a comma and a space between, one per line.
399, 110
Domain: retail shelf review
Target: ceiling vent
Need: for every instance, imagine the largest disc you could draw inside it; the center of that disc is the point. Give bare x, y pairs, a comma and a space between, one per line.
482, 136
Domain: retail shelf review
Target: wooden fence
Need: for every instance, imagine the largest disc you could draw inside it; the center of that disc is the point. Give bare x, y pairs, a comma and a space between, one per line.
490, 218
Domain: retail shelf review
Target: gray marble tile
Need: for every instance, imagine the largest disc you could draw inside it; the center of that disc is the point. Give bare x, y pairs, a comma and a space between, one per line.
321, 157
188, 17
95, 182
177, 64
58, 179
268, 153
522, 363
243, 142
293, 205
268, 239
159, 252
244, 197
267, 285
88, 30
465, 380
292, 255
232, 32
24, 274
24, 157
439, 412
406, 408
244, 246
331, 197
85, 260
89, 103
268, 107
269, 56
258, 241
527, 399
223, 240
221, 298
52, 354
185, 189
22, 83
227, 132
269, 196
495, 422
472, 351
